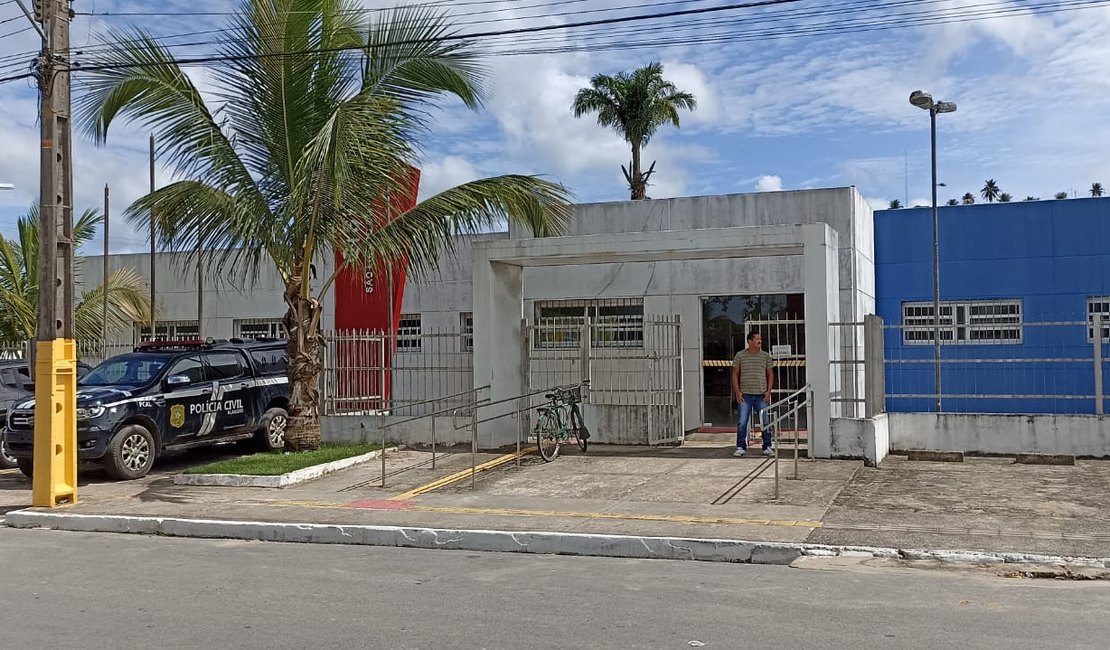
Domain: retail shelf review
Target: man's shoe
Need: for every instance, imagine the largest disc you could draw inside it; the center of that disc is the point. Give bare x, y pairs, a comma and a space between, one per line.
740, 451
769, 452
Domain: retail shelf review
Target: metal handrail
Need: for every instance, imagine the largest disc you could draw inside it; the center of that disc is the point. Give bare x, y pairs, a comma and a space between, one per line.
794, 407
384, 427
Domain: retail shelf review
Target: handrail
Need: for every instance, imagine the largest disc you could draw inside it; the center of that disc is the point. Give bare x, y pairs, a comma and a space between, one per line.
794, 407
383, 426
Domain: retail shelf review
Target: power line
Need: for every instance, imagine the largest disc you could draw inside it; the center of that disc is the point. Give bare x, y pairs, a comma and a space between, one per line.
18, 31
457, 37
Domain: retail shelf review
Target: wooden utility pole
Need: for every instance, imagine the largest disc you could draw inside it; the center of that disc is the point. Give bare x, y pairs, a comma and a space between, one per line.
153, 252
104, 282
55, 456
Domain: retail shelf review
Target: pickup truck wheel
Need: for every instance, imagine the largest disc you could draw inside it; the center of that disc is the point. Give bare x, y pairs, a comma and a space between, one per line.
27, 466
7, 461
130, 453
271, 432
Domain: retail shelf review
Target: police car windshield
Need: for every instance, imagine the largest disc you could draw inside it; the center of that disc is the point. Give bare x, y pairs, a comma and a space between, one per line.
127, 370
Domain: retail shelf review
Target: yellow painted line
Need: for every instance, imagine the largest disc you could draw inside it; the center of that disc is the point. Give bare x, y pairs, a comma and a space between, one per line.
677, 519
457, 476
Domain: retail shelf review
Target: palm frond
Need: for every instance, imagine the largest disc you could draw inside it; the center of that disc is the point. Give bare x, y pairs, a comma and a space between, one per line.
421, 235
128, 303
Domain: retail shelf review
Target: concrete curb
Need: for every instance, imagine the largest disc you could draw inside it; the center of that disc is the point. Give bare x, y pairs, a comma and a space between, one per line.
624, 546
283, 480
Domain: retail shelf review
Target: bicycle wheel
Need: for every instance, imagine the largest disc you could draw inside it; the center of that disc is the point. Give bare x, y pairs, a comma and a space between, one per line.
547, 437
581, 433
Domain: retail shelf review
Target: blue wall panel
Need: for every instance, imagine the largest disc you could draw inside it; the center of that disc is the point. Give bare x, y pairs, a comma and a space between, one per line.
1052, 255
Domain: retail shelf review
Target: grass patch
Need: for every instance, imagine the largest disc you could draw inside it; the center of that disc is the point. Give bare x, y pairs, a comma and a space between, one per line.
275, 463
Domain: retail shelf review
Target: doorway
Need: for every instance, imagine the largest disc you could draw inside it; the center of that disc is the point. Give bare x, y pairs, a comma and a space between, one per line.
726, 321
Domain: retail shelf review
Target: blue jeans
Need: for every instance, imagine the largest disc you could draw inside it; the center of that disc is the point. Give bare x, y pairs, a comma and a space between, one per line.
745, 413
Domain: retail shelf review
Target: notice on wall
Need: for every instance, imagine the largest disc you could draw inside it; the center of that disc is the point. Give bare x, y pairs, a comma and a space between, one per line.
780, 350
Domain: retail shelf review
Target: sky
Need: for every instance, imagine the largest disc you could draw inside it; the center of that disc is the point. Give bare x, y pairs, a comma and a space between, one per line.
809, 108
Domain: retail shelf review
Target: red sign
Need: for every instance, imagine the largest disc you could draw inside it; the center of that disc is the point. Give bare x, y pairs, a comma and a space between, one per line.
366, 302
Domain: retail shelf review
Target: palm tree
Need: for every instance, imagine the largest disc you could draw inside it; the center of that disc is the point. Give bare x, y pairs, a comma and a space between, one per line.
895, 204
1005, 197
635, 106
1096, 189
308, 153
990, 191
1061, 195
953, 202
128, 300
968, 198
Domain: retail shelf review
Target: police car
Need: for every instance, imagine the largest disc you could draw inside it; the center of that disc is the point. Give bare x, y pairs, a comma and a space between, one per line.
170, 395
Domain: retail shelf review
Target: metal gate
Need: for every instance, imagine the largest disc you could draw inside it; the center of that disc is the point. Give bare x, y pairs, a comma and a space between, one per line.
633, 364
785, 340
663, 347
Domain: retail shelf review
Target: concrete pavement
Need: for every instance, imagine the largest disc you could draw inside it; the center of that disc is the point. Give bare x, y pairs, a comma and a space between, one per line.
692, 501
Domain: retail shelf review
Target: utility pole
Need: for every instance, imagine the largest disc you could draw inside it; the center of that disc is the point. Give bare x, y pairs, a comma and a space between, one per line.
104, 282
55, 456
200, 288
153, 252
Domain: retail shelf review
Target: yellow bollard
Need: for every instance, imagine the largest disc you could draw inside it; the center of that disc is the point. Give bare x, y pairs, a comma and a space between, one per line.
55, 461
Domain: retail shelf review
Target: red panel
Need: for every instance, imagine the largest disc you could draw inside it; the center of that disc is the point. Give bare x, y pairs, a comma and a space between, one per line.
362, 302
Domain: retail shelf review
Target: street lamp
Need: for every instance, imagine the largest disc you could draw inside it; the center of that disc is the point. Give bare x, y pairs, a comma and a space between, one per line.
924, 101
7, 186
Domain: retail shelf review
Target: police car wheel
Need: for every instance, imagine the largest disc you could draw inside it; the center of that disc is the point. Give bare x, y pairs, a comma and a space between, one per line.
130, 454
7, 461
271, 433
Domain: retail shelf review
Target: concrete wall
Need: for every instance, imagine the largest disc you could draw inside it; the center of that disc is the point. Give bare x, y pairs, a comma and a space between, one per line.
361, 429
226, 299
866, 439
988, 433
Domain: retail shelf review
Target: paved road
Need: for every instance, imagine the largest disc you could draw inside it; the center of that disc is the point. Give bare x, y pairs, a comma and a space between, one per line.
94, 591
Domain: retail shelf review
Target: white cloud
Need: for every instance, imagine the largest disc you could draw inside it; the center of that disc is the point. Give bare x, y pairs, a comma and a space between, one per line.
769, 184
444, 173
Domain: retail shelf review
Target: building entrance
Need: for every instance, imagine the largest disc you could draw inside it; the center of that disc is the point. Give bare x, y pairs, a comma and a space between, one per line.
726, 321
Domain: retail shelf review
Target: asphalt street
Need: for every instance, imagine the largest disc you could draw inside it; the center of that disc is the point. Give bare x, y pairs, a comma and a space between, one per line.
63, 589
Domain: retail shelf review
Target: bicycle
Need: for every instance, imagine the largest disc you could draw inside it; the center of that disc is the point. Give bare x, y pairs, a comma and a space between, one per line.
559, 420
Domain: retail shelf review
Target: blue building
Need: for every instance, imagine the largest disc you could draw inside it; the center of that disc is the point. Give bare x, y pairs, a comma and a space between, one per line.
1020, 284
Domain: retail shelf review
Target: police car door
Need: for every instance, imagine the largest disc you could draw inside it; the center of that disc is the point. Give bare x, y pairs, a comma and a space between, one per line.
232, 387
186, 391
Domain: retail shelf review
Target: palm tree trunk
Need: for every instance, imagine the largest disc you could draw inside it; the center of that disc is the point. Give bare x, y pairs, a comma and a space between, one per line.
638, 187
303, 430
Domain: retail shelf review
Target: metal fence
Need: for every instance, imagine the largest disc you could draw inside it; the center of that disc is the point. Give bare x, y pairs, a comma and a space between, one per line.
1046, 367
367, 372
88, 352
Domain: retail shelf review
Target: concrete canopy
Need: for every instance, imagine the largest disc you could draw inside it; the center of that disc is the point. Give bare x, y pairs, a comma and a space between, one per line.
499, 347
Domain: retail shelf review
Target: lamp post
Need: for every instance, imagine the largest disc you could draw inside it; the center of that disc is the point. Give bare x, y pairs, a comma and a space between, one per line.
924, 101
7, 186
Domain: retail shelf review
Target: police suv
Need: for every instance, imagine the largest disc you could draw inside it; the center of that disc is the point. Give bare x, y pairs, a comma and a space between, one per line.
170, 395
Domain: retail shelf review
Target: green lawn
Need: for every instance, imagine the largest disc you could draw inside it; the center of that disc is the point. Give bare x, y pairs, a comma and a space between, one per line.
274, 463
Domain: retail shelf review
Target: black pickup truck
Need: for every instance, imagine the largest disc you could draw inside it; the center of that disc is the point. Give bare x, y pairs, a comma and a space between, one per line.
169, 395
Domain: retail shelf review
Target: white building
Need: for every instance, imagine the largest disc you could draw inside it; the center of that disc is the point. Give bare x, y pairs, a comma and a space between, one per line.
720, 265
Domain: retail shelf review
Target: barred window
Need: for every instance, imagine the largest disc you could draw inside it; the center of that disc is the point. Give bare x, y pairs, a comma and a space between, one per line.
179, 330
408, 333
964, 322
259, 328
1099, 305
613, 323
466, 326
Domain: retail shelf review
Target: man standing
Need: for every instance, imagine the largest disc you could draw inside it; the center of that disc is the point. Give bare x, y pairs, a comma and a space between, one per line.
752, 380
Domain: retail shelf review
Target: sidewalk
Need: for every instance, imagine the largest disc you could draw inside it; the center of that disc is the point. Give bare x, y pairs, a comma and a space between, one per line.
695, 492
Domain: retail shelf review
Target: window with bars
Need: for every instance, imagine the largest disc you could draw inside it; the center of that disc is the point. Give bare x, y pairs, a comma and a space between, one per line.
613, 323
259, 328
408, 333
180, 330
466, 326
972, 322
1099, 305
